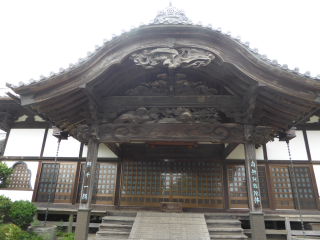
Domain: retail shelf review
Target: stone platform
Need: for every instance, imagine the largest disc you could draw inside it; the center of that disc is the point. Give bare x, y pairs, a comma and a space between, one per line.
182, 226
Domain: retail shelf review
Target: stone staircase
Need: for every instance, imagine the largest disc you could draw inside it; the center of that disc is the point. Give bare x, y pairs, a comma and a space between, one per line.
116, 225
156, 225
223, 228
166, 226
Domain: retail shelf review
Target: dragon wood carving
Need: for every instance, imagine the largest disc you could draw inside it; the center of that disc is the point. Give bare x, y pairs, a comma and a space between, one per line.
142, 115
172, 58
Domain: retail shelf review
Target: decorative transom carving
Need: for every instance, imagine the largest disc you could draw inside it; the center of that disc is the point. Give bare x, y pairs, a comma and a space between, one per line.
142, 115
172, 58
162, 87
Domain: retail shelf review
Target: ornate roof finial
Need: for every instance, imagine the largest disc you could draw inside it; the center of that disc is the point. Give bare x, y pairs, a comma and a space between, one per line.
171, 15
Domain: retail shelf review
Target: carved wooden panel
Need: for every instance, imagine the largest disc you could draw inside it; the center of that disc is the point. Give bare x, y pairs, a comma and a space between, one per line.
103, 183
20, 178
263, 187
305, 187
238, 195
282, 187
172, 132
134, 102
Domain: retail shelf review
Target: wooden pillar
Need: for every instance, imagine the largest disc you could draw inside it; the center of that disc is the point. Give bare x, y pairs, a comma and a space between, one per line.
258, 230
83, 216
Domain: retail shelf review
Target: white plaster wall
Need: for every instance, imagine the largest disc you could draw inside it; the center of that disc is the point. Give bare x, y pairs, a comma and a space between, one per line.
24, 142
103, 152
313, 119
38, 119
237, 153
314, 144
259, 153
68, 148
22, 195
22, 118
278, 150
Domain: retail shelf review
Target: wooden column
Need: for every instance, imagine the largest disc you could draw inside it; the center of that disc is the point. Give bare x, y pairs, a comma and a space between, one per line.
256, 216
84, 212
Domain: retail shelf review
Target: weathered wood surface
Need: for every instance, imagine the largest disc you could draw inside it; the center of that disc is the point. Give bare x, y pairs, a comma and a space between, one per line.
134, 102
171, 207
172, 132
251, 164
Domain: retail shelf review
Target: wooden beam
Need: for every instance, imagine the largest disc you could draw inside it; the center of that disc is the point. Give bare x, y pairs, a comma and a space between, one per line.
229, 149
91, 94
249, 101
205, 101
114, 148
64, 102
228, 132
252, 172
252, 92
44, 141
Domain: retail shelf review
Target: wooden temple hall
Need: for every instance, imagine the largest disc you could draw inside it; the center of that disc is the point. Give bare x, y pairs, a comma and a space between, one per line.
173, 114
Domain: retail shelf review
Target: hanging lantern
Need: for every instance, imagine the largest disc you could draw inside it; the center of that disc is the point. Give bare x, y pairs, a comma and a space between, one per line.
288, 135
58, 133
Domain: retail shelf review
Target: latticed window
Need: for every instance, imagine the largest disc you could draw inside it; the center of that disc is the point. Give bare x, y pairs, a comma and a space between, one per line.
263, 187
282, 187
104, 183
238, 195
305, 188
194, 184
62, 176
20, 178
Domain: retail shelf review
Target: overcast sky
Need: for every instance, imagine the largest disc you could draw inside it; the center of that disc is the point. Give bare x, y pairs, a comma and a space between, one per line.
41, 36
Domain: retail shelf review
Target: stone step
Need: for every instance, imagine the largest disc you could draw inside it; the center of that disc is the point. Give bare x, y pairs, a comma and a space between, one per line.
123, 214
111, 235
122, 220
228, 237
223, 223
225, 231
215, 216
115, 227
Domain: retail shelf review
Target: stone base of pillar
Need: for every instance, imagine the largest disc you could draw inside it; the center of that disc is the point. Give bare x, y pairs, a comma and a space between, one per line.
82, 227
258, 228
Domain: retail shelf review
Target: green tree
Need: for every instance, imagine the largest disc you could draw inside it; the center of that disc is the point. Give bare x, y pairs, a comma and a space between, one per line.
22, 212
5, 172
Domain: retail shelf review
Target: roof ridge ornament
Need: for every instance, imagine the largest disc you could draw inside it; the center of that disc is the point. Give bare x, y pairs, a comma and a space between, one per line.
171, 15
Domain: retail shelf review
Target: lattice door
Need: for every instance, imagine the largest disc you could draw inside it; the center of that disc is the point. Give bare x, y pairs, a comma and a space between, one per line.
65, 183
194, 184
103, 183
282, 187
305, 188
263, 187
145, 183
238, 195
47, 171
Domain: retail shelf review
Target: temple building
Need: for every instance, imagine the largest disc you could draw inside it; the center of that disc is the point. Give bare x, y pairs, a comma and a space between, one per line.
170, 113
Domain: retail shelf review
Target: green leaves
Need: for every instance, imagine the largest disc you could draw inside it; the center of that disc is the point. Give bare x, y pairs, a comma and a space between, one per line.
22, 212
5, 172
